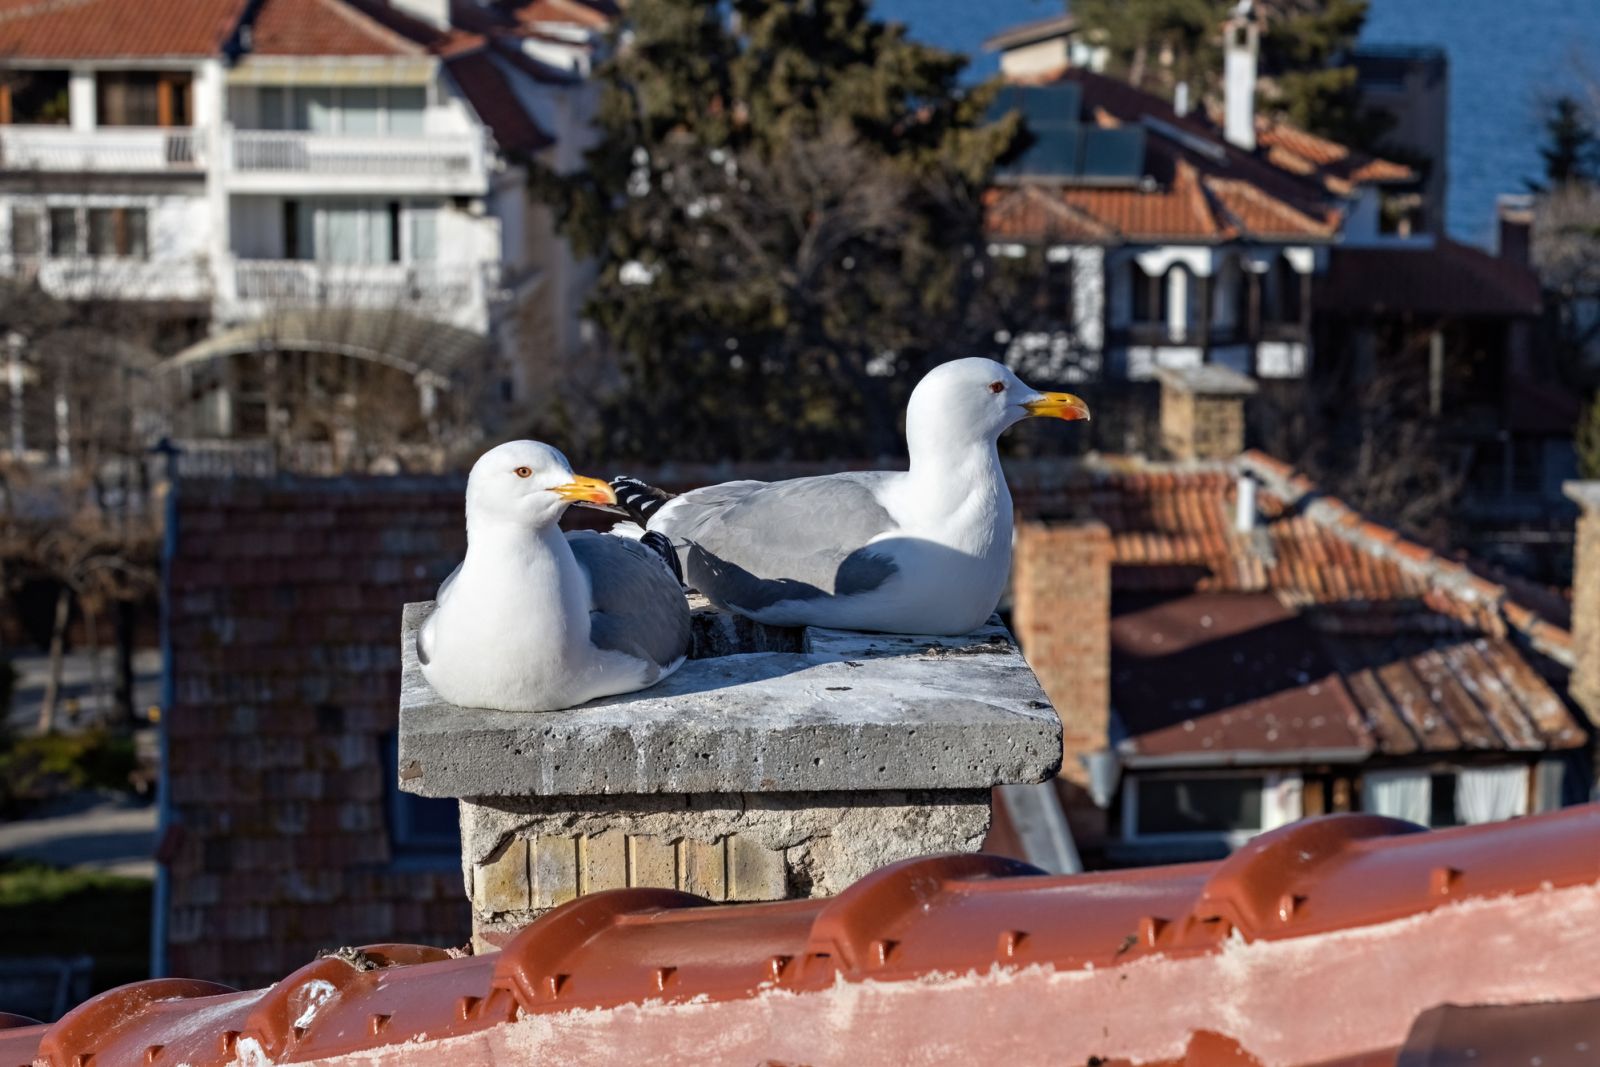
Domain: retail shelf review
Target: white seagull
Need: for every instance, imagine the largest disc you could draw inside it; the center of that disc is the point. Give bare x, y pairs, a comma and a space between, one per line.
922, 551
534, 619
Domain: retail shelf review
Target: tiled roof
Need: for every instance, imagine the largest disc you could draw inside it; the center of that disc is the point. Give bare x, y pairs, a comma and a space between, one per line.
1216, 194
590, 14
1342, 635
284, 601
332, 28
484, 85
1339, 167
107, 29
1448, 278
1325, 940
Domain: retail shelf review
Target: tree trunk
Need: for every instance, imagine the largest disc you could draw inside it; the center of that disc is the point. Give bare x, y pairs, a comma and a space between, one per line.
58, 643
91, 642
123, 681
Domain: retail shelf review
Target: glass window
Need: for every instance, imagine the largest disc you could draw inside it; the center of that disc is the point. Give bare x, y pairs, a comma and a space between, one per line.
314, 111
25, 231
341, 235
360, 111
273, 108
118, 231
102, 231
1145, 303
39, 98
1199, 805
63, 231
424, 234
405, 111
128, 98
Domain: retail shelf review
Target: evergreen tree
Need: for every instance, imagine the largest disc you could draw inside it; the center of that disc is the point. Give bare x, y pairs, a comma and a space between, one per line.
1572, 147
785, 208
1306, 76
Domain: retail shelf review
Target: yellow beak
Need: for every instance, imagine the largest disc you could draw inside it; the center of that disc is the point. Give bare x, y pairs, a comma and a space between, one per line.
585, 490
1058, 405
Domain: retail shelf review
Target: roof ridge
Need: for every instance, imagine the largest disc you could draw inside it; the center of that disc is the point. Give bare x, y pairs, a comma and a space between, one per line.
1062, 206
352, 12
1186, 183
1451, 577
1272, 203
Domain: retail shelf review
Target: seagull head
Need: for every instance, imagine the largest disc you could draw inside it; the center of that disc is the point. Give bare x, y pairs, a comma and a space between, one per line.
981, 398
530, 484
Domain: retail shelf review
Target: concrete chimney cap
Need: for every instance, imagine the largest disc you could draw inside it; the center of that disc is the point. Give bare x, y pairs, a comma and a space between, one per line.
1209, 379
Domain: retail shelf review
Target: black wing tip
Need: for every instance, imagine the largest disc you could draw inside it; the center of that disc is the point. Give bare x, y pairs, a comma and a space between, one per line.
640, 500
661, 545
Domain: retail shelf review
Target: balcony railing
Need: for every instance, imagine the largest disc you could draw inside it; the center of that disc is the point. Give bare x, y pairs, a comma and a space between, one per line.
186, 280
136, 150
379, 286
448, 158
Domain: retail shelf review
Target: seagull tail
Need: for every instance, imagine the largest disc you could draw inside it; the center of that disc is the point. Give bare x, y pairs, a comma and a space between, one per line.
640, 500
661, 545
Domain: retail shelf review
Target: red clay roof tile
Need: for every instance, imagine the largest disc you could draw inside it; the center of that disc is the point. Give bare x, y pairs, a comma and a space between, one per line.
1375, 919
114, 29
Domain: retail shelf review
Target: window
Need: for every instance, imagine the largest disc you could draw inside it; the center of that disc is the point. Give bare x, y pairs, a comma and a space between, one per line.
1442, 801
357, 110
118, 231
1146, 301
1199, 805
1286, 304
63, 231
424, 234
1054, 302
355, 231
35, 98
405, 111
361, 111
420, 828
142, 98
27, 238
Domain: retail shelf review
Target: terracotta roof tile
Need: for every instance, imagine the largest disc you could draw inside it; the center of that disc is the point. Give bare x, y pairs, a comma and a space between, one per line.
324, 28
108, 29
484, 84
1374, 920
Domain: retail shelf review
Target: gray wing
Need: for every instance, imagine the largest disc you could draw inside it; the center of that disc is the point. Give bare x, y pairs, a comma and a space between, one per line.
752, 544
639, 608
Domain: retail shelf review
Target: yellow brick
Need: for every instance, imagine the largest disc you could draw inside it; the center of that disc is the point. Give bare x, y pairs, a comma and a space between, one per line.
605, 861
502, 883
705, 868
755, 872
652, 862
555, 870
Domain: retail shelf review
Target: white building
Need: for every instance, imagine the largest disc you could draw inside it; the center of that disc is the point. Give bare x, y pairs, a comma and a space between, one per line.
1173, 241
324, 186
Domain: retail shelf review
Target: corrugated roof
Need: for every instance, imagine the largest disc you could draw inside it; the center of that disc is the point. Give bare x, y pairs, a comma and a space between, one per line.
116, 29
1319, 941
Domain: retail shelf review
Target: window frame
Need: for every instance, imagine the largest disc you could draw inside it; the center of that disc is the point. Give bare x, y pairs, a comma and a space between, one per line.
1232, 838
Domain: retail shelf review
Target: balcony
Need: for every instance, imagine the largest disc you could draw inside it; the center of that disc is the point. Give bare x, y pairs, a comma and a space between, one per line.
109, 150
294, 160
456, 293
115, 278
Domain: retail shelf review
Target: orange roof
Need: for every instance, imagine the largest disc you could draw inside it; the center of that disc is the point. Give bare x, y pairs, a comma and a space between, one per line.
1338, 166
1322, 940
1197, 187
115, 29
591, 14
325, 28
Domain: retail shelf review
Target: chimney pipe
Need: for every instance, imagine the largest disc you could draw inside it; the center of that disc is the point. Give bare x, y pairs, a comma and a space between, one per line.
1244, 515
1180, 99
1242, 45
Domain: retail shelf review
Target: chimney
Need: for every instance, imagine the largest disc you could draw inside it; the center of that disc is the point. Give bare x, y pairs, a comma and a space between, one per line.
1180, 99
1242, 39
1585, 680
1515, 214
1244, 514
1061, 608
777, 763
435, 13
1202, 411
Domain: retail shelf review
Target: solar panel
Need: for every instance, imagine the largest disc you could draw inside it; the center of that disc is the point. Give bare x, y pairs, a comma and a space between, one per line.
1113, 153
1042, 106
1055, 154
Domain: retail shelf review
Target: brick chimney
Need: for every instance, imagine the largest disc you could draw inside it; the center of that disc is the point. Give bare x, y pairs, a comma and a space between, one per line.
1202, 411
1585, 680
1061, 608
1242, 43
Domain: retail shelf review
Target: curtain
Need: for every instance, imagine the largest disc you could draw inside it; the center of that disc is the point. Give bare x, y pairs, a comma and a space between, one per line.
424, 234
1489, 794
1404, 795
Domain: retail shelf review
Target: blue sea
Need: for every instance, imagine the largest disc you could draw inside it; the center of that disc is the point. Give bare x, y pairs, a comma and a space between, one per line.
1506, 58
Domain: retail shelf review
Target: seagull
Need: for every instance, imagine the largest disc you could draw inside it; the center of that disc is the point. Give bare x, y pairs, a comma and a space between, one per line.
534, 619
924, 551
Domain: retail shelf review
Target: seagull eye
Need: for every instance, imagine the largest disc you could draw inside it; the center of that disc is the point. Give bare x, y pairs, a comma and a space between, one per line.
524, 472
997, 387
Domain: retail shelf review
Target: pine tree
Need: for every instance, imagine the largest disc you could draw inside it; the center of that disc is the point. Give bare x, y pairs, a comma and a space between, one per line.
785, 209
1572, 148
1586, 440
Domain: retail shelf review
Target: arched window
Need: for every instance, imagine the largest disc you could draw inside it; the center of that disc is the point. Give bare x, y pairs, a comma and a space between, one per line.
1286, 307
1179, 301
